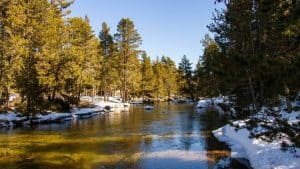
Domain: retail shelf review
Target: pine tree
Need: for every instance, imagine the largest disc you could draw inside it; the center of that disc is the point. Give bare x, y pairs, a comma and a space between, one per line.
147, 82
169, 76
5, 59
236, 35
29, 23
158, 79
128, 41
198, 78
109, 72
259, 42
279, 39
210, 68
53, 61
186, 77
84, 55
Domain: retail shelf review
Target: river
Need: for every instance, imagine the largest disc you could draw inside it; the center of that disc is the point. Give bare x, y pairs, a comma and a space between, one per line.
169, 137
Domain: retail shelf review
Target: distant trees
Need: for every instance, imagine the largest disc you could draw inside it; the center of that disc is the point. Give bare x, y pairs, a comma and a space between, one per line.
187, 85
169, 76
148, 77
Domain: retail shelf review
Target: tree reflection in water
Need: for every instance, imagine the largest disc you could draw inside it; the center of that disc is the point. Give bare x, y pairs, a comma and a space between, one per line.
170, 135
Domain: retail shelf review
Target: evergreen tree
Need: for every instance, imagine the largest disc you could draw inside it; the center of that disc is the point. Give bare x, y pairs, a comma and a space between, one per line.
147, 82
259, 42
5, 58
198, 74
128, 41
210, 68
158, 79
53, 61
29, 26
109, 72
236, 34
186, 77
84, 55
169, 76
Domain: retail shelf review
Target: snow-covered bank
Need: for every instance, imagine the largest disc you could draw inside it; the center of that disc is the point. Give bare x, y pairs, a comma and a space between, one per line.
13, 119
262, 139
111, 106
220, 104
261, 154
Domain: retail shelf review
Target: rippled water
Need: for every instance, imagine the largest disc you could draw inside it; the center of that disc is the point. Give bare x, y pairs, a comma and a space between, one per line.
170, 137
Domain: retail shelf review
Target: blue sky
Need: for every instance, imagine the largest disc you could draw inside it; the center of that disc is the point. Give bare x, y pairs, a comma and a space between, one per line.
168, 27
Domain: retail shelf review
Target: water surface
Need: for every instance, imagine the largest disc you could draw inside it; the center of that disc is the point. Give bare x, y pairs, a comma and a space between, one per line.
171, 136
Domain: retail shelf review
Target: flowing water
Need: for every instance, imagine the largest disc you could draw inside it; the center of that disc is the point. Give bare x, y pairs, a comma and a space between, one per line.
169, 137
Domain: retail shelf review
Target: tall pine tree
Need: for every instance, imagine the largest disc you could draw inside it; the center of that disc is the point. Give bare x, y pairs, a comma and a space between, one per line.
128, 41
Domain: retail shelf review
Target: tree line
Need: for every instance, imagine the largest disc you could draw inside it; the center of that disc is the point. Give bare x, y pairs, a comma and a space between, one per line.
254, 58
51, 59
255, 53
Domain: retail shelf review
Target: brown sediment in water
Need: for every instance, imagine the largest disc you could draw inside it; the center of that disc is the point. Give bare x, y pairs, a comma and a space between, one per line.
114, 141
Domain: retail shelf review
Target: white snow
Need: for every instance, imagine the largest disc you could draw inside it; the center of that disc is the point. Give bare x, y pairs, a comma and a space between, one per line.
52, 116
292, 118
11, 118
87, 112
261, 154
213, 103
148, 107
113, 106
203, 103
8, 119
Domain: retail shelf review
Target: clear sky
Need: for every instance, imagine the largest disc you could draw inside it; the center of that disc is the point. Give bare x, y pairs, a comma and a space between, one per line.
168, 27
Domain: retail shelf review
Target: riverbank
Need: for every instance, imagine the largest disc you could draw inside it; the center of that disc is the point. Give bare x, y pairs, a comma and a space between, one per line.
16, 119
261, 154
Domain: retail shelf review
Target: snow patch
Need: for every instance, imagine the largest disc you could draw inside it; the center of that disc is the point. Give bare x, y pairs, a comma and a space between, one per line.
215, 104
261, 154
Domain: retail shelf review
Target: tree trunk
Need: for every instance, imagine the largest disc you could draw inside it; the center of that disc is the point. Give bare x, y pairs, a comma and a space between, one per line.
212, 102
53, 95
6, 99
125, 87
287, 98
191, 90
254, 101
143, 96
262, 99
78, 94
28, 106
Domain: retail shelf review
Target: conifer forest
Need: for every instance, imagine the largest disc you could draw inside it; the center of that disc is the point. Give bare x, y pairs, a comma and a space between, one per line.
73, 97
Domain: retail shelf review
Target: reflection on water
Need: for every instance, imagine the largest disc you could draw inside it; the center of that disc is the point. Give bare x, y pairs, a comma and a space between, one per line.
171, 136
